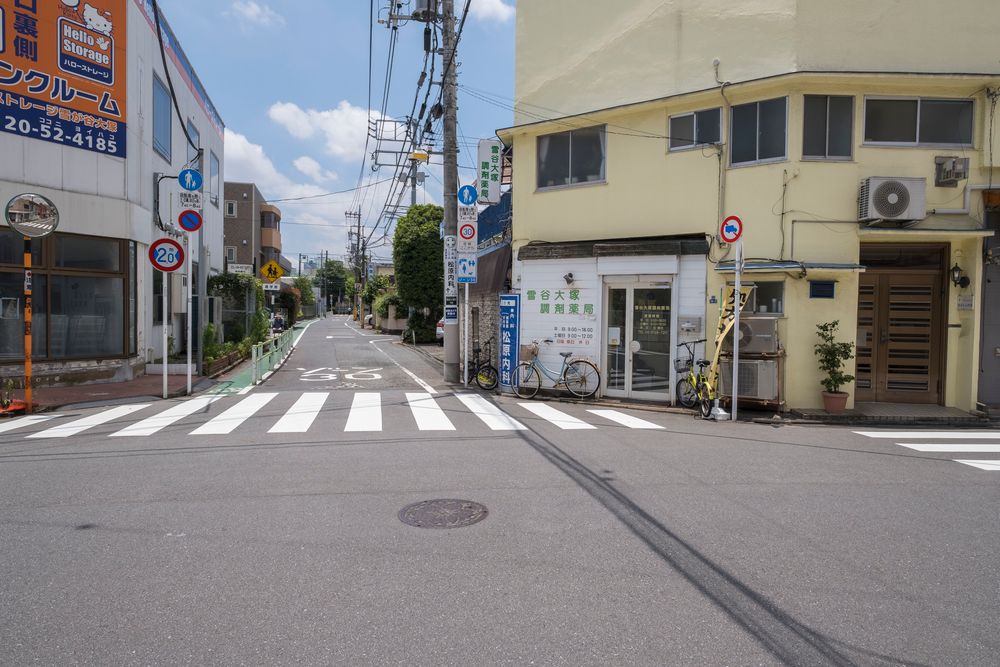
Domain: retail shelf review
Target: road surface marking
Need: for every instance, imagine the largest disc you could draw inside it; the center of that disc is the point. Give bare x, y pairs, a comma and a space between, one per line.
21, 422
151, 425
557, 417
946, 435
300, 416
423, 385
954, 447
78, 425
366, 413
234, 416
490, 414
993, 466
428, 414
624, 419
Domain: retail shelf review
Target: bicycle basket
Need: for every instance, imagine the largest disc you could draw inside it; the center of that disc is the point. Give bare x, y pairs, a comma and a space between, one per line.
682, 365
529, 351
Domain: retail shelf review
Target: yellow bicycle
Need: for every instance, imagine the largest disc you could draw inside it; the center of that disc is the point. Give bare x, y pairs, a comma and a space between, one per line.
696, 388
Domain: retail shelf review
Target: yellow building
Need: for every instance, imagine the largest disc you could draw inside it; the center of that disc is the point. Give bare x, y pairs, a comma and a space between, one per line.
857, 141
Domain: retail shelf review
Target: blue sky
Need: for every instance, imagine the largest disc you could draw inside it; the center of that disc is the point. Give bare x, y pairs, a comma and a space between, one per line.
290, 80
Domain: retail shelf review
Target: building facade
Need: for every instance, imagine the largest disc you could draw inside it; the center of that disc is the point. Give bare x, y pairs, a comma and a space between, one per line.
88, 122
252, 230
862, 177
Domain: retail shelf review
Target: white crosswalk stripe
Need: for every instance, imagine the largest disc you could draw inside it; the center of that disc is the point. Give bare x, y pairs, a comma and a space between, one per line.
427, 413
366, 413
234, 416
557, 417
22, 422
962, 446
80, 425
624, 419
490, 414
157, 422
300, 416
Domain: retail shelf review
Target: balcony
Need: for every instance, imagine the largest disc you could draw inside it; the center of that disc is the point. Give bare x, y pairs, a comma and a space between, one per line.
270, 238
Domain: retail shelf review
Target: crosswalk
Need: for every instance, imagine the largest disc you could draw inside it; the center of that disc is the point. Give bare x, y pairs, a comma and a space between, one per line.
954, 443
293, 412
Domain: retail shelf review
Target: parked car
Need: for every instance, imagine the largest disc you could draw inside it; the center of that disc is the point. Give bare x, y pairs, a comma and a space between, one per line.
440, 331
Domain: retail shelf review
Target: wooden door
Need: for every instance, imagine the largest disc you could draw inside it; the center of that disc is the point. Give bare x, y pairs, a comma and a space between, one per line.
900, 337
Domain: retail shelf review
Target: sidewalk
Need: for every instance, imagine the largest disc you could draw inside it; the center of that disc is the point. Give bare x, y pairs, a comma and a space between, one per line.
110, 393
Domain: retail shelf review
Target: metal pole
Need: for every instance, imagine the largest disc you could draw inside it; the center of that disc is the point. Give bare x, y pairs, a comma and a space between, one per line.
465, 336
449, 95
27, 326
163, 299
190, 299
736, 325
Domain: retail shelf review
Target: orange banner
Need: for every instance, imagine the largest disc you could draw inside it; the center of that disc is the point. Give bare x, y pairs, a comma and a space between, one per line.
63, 72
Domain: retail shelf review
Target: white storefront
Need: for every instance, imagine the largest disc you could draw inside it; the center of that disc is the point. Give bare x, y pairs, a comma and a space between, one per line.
626, 313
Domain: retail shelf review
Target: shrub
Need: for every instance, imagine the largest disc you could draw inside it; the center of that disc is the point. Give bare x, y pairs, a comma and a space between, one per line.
832, 356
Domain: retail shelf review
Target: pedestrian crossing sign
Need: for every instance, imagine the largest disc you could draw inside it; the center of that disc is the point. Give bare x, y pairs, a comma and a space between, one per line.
272, 271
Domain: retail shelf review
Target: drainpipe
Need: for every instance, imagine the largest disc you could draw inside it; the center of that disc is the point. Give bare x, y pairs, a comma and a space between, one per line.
967, 206
723, 167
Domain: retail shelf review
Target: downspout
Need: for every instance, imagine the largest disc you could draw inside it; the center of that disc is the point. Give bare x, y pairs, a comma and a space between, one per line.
722, 154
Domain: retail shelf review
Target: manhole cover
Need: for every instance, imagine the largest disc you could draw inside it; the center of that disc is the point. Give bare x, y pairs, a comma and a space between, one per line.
443, 513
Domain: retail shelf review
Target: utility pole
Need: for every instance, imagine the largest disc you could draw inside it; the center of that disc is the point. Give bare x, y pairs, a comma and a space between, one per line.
451, 365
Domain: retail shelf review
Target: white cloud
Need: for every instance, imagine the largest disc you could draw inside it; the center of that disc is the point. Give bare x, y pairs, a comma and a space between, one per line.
342, 129
491, 10
251, 12
314, 170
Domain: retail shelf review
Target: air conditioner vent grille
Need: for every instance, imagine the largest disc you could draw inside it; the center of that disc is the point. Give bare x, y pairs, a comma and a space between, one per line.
891, 199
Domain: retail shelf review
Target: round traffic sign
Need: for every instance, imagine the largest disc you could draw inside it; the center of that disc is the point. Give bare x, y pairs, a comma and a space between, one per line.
731, 229
467, 231
467, 195
190, 179
166, 255
190, 221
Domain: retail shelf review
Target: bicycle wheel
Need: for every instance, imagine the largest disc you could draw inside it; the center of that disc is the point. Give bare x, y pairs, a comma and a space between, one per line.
525, 381
687, 393
704, 400
582, 378
487, 377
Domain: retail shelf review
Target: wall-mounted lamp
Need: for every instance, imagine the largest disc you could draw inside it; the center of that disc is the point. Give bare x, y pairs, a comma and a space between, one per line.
958, 277
568, 278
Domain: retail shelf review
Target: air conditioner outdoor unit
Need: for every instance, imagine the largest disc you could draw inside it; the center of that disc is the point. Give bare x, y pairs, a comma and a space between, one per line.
758, 335
758, 379
887, 198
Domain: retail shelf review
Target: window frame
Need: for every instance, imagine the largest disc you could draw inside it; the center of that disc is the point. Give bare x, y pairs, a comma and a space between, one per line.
917, 143
165, 152
235, 212
233, 248
828, 157
214, 177
603, 130
695, 143
758, 161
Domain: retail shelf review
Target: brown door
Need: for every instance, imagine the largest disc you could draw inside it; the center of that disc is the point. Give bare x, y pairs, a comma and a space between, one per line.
900, 327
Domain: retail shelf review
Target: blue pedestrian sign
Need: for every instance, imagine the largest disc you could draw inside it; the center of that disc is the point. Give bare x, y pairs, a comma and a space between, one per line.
467, 195
190, 179
466, 270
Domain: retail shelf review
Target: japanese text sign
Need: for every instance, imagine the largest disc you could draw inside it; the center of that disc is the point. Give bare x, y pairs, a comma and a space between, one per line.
510, 315
488, 167
63, 72
450, 266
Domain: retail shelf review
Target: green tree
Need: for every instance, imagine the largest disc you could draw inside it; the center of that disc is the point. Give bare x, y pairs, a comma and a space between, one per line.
374, 287
305, 287
333, 278
418, 256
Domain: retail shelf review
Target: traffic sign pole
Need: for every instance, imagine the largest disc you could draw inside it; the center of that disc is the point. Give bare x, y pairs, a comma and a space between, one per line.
190, 302
163, 317
738, 299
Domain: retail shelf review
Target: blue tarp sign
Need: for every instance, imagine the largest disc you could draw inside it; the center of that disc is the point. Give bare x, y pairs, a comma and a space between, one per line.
510, 316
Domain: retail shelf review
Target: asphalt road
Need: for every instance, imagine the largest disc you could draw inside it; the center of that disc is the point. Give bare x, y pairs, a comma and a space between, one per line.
263, 529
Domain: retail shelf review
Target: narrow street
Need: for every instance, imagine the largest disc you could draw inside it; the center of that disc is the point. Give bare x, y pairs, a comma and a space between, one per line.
264, 528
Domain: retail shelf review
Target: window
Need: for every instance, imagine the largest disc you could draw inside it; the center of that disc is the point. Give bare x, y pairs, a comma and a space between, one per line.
758, 131
163, 116
192, 152
571, 157
213, 183
827, 127
230, 209
767, 298
822, 289
230, 253
158, 287
695, 129
918, 121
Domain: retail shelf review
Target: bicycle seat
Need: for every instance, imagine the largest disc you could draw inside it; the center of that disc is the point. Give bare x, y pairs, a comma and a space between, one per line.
566, 354
704, 362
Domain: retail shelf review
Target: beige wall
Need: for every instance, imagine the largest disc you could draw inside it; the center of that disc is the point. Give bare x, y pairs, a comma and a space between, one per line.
575, 57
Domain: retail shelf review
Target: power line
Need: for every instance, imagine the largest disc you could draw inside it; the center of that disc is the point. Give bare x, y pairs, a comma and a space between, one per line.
328, 194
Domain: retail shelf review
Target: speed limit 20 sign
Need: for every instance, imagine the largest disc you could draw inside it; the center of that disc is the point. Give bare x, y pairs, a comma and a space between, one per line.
166, 255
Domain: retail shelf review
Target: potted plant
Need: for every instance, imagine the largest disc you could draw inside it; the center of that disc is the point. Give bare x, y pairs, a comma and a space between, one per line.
832, 355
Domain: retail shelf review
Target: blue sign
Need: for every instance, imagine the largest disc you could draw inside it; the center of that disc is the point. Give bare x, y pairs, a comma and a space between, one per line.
466, 270
190, 179
190, 221
450, 314
467, 195
510, 316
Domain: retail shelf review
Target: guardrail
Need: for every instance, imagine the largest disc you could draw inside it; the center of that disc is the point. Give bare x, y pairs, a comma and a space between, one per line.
265, 357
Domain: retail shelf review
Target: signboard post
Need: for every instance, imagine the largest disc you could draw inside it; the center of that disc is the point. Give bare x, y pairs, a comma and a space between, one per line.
191, 181
731, 232
510, 316
32, 216
165, 255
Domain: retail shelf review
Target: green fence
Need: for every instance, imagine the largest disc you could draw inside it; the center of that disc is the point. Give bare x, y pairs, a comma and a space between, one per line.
266, 356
